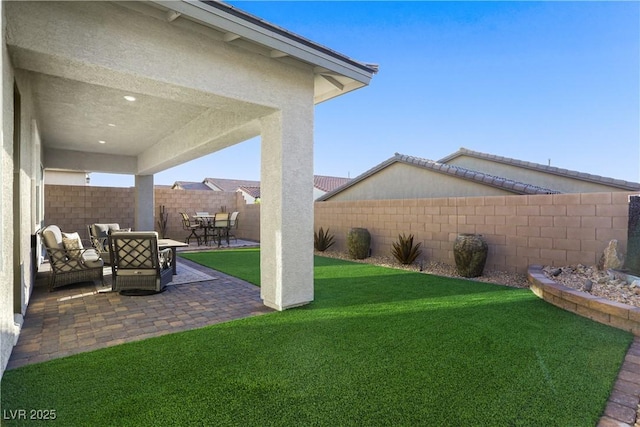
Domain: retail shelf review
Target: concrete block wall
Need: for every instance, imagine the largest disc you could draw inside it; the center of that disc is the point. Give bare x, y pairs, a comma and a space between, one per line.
190, 202
72, 208
555, 229
248, 219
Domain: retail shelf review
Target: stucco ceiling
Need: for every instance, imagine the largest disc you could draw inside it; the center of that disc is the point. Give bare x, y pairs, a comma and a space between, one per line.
79, 97
75, 116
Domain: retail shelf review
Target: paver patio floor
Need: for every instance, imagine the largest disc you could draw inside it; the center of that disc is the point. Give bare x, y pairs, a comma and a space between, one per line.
76, 318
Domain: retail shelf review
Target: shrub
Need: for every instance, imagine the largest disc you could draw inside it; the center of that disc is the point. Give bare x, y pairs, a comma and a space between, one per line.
322, 241
404, 250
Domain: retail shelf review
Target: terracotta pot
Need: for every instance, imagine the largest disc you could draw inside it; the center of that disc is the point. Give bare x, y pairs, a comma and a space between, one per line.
470, 252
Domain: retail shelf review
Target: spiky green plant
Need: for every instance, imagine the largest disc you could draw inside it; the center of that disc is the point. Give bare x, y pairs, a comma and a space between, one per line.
404, 250
322, 241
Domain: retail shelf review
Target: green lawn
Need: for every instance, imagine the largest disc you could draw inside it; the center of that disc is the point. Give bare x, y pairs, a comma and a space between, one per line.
378, 347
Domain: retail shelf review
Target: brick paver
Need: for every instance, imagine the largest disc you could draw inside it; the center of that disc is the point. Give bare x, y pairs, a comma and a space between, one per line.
622, 407
75, 319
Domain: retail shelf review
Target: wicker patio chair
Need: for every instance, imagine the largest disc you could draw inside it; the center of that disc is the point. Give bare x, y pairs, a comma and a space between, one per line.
98, 234
139, 267
70, 262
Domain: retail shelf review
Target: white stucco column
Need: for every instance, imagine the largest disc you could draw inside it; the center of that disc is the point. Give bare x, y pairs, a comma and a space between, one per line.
144, 207
286, 209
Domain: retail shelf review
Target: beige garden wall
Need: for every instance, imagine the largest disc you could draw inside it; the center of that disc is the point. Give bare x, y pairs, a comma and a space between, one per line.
72, 208
520, 230
555, 229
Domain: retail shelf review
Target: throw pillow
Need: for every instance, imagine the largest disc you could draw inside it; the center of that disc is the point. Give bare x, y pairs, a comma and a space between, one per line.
73, 247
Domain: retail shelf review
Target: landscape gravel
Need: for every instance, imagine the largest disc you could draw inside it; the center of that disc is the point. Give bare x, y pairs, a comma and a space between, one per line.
605, 284
515, 280
608, 284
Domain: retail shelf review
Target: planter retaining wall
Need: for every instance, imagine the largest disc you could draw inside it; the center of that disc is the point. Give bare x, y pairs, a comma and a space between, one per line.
618, 315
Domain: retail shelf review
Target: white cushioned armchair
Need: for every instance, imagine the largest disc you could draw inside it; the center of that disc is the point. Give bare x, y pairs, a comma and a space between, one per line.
70, 261
98, 234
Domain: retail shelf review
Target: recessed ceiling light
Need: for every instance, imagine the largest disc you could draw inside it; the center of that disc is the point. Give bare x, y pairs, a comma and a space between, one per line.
130, 98
102, 142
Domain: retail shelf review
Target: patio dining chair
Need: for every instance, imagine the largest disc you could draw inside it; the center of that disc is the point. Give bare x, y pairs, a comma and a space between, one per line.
139, 267
192, 228
233, 225
221, 227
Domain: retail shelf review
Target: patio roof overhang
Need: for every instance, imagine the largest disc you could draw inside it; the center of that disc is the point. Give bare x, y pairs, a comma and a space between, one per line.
79, 96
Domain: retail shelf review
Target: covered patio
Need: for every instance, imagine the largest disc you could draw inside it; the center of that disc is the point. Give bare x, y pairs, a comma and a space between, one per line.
139, 87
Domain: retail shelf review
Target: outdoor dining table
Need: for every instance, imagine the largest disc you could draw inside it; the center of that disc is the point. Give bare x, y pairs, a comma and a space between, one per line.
173, 244
208, 222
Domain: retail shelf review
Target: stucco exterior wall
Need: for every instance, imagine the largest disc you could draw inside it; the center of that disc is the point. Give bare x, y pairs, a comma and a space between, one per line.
7, 329
541, 179
17, 226
402, 181
558, 229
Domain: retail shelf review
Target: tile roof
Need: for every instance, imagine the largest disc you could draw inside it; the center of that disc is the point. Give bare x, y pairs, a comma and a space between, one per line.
231, 184
322, 182
625, 185
188, 185
252, 191
456, 171
328, 183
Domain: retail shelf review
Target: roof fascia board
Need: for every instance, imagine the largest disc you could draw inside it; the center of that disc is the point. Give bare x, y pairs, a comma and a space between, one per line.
230, 23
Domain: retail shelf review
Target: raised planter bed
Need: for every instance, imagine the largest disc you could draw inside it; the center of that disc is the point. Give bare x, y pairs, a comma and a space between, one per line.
618, 315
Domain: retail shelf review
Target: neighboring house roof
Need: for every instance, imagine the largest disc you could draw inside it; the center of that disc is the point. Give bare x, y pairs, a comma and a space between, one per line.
252, 191
187, 185
328, 183
322, 182
624, 185
222, 184
456, 171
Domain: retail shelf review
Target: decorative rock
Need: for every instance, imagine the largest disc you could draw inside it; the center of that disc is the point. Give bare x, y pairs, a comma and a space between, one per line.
556, 272
635, 283
588, 285
610, 258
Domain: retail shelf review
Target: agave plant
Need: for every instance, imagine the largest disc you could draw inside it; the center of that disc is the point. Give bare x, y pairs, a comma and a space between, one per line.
322, 241
404, 250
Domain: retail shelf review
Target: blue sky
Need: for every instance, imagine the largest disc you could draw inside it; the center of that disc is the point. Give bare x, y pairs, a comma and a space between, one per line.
544, 82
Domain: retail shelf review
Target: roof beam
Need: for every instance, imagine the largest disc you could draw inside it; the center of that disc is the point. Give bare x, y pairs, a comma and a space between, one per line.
278, 54
172, 15
229, 37
333, 81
